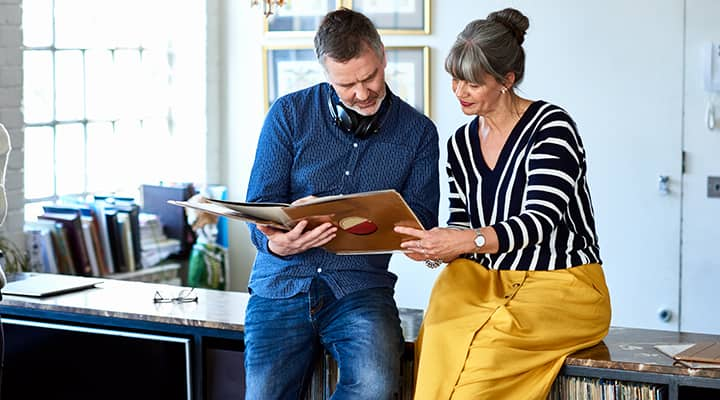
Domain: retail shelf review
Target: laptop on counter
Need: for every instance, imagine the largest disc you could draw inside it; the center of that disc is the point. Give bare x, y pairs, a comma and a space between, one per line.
44, 285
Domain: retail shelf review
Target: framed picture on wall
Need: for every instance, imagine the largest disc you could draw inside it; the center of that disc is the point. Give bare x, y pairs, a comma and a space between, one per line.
407, 73
299, 17
402, 17
288, 69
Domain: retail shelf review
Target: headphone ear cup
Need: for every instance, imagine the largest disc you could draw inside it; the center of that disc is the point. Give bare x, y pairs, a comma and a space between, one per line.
346, 119
365, 127
343, 119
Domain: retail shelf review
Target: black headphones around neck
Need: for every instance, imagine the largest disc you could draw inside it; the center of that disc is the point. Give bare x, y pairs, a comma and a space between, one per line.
361, 126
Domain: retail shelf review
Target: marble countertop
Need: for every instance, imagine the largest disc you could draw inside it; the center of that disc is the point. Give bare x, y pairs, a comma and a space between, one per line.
214, 309
632, 349
627, 349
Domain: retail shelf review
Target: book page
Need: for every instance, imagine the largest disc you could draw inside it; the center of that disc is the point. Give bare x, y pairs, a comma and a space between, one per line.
271, 216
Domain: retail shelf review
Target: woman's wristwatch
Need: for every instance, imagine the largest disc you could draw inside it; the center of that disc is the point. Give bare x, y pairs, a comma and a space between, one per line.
479, 239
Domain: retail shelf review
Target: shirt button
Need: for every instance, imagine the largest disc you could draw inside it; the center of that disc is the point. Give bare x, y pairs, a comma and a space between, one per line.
319, 270
354, 144
347, 172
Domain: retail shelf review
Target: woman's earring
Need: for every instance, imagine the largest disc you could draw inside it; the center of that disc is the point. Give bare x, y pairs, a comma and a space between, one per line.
503, 90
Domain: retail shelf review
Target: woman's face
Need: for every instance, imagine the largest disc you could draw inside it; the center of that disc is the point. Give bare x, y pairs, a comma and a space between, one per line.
479, 98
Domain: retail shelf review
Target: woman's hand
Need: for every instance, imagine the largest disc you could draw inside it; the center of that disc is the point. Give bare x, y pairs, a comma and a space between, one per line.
442, 244
287, 243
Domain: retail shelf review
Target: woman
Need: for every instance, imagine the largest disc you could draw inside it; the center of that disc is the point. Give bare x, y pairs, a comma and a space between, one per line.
525, 286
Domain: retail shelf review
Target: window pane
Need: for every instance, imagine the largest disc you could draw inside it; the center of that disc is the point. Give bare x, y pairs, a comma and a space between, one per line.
155, 99
128, 15
100, 156
128, 76
70, 86
70, 164
100, 89
156, 25
37, 23
38, 86
127, 139
85, 23
155, 135
38, 162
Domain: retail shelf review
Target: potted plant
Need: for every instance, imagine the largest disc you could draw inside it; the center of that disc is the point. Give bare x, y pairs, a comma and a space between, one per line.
14, 258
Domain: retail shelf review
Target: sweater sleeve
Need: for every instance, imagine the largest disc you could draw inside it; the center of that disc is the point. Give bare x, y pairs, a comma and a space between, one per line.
457, 183
554, 165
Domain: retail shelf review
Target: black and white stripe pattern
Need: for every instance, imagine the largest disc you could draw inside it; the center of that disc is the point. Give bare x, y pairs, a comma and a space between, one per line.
536, 197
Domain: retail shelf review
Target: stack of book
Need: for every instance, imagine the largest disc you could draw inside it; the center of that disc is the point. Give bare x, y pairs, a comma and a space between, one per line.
156, 246
95, 237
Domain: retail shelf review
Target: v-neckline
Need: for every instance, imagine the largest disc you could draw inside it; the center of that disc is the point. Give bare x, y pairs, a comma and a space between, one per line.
504, 152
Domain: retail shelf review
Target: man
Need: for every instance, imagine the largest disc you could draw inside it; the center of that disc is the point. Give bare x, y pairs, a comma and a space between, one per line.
348, 135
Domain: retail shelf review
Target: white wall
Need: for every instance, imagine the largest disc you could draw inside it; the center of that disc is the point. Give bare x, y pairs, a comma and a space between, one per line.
701, 215
241, 101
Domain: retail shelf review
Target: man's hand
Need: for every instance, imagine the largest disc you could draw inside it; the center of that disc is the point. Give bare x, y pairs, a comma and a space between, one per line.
287, 243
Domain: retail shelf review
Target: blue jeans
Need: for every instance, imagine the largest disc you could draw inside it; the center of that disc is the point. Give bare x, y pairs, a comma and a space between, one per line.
284, 336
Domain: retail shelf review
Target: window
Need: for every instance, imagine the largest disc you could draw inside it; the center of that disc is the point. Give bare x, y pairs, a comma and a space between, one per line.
114, 95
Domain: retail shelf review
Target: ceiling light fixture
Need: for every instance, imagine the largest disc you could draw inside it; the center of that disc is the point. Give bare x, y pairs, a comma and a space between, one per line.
267, 5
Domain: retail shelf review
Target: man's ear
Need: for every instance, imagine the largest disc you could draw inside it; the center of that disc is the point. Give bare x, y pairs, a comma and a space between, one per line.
384, 60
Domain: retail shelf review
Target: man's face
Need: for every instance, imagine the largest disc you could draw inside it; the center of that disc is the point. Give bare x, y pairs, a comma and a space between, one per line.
360, 82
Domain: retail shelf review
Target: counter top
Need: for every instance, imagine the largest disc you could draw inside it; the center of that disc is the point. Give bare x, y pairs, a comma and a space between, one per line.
627, 349
214, 309
632, 349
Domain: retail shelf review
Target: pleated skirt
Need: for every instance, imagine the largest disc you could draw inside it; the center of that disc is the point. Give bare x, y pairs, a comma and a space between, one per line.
491, 334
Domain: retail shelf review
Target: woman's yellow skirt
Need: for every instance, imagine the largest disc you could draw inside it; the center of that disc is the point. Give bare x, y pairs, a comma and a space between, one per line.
491, 334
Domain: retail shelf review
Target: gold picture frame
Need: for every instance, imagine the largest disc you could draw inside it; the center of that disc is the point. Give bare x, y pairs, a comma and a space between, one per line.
290, 68
299, 18
395, 17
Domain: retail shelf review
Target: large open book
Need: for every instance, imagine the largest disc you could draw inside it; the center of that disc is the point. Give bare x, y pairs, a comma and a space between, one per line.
365, 221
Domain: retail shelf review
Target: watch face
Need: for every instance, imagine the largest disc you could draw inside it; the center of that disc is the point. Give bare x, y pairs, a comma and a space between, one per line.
479, 240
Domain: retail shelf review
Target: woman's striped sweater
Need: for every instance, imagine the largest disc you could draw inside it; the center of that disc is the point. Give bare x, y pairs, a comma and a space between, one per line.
537, 196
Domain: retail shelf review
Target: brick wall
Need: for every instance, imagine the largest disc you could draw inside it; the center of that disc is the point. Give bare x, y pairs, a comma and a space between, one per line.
11, 79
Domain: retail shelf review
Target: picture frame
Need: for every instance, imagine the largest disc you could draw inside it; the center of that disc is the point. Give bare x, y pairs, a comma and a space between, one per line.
299, 17
290, 68
395, 17
408, 75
